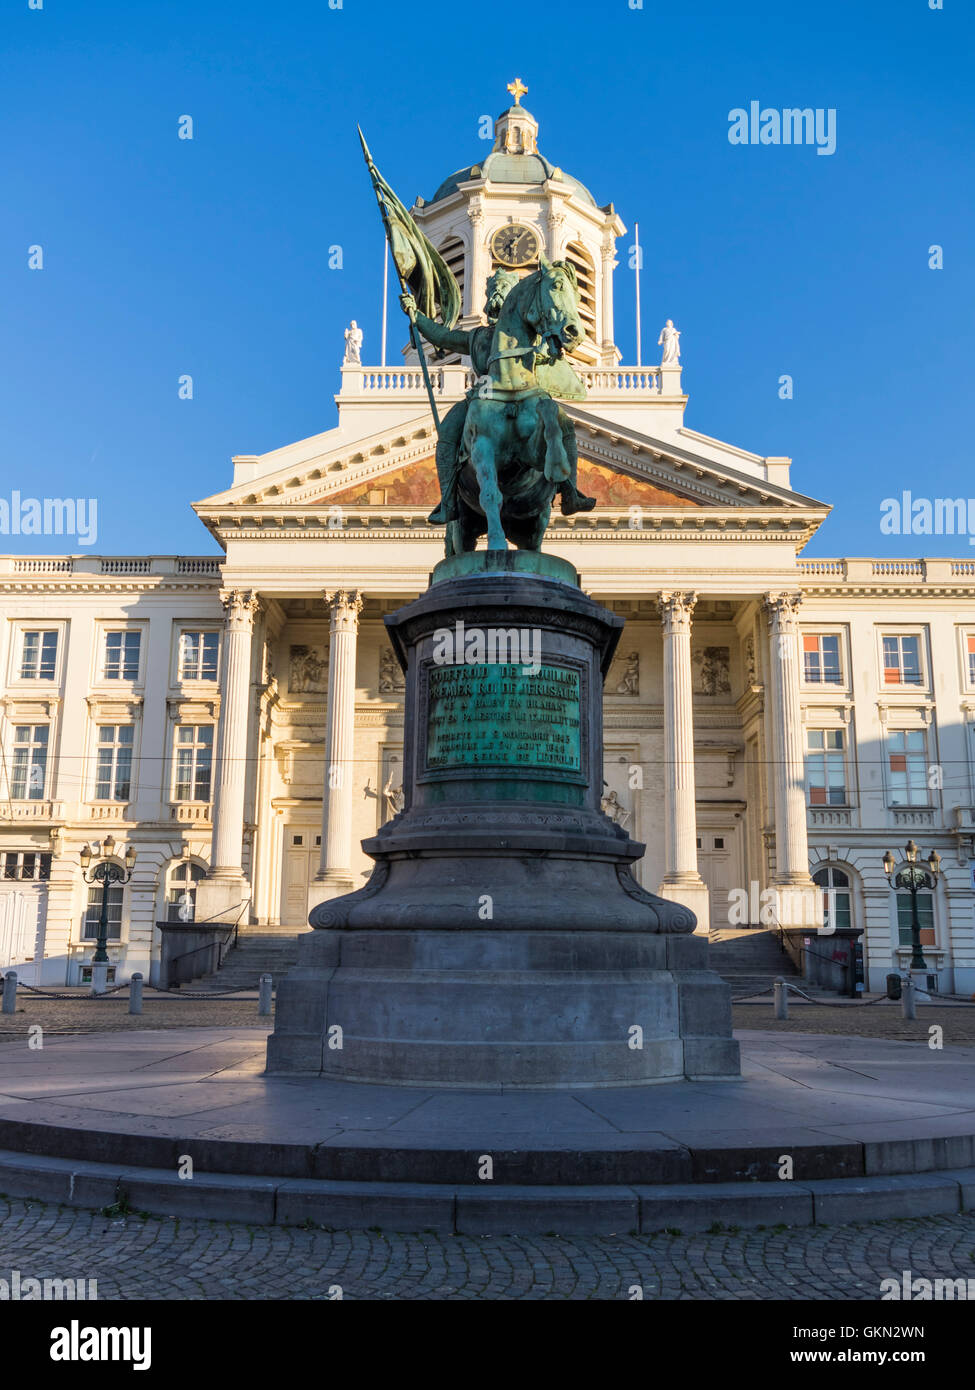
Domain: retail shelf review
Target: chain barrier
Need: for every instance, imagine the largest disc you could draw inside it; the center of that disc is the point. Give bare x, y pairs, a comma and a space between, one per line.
853, 1003
117, 989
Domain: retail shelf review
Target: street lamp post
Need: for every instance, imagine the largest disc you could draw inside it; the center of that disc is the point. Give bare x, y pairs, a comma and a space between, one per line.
106, 873
912, 878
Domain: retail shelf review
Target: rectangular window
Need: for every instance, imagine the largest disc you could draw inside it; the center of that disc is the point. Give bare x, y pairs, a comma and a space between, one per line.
39, 656
902, 661
925, 917
94, 911
26, 865
113, 769
194, 761
908, 767
821, 658
122, 656
198, 656
826, 767
28, 774
970, 643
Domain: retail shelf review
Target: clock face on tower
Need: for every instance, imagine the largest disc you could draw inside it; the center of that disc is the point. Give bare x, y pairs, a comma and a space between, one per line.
514, 245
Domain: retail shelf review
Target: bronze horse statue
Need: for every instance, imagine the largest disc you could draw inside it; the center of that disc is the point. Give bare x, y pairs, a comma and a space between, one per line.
518, 445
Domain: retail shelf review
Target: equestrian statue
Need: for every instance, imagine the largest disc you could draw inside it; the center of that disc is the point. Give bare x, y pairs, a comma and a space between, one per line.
508, 448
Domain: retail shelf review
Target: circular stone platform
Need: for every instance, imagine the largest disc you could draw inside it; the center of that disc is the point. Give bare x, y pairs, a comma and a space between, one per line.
872, 1128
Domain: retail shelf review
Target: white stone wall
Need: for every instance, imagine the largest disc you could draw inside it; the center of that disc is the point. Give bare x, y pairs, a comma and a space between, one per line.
81, 605
733, 770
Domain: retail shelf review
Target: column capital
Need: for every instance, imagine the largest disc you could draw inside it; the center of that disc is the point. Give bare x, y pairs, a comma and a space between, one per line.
345, 606
782, 609
240, 608
675, 610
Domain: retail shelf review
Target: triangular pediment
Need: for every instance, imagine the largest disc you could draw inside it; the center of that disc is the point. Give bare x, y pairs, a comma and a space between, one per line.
392, 472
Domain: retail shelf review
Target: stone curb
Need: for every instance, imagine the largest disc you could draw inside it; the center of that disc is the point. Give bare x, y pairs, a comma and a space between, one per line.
484, 1210
453, 1159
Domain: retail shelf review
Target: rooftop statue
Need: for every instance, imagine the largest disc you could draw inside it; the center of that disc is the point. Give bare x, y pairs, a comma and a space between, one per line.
508, 448
669, 340
353, 346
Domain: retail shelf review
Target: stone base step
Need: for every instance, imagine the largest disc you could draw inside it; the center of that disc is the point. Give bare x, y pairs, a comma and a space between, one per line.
483, 1209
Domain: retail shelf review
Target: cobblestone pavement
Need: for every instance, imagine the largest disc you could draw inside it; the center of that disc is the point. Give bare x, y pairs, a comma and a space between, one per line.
864, 1021
84, 1014
165, 1258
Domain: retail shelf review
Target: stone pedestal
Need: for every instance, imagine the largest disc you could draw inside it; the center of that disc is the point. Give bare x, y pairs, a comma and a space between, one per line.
502, 939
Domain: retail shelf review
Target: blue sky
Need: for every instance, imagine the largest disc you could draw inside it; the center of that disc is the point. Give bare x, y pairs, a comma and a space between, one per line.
209, 257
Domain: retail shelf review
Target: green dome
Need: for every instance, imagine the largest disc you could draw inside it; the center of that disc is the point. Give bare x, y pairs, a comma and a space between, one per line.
512, 168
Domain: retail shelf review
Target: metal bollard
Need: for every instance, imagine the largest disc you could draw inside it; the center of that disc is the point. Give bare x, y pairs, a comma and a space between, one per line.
10, 992
135, 994
264, 996
908, 1000
781, 998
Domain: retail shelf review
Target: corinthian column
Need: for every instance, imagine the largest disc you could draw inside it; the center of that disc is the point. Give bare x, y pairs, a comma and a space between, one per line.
791, 845
681, 880
222, 892
334, 876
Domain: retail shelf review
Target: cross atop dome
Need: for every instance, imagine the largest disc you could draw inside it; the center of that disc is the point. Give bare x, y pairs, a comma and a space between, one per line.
516, 130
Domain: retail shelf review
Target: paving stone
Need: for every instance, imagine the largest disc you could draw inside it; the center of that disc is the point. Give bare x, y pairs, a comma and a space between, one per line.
537, 1211
926, 1194
357, 1206
705, 1205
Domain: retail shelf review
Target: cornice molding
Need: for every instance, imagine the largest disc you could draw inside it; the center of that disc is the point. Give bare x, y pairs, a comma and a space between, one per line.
95, 584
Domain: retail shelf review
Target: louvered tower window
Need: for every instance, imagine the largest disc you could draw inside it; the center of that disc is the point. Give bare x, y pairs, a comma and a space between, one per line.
586, 275
453, 253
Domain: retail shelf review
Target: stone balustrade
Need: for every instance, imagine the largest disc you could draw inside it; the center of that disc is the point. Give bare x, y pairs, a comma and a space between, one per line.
859, 571
362, 383
22, 566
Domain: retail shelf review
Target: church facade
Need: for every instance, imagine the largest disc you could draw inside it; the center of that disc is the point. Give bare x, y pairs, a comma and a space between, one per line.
771, 723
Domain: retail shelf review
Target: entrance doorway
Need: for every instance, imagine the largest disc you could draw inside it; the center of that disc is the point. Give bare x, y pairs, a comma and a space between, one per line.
302, 853
22, 912
717, 863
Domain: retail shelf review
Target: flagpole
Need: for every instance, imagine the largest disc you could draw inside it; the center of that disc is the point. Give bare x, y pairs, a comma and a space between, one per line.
404, 287
385, 296
639, 349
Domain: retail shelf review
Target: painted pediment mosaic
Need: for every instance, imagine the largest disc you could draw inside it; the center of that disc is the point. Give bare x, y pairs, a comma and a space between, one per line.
416, 486
612, 489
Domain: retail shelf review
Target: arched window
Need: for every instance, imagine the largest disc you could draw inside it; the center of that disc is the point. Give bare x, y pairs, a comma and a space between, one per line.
181, 881
454, 254
579, 258
836, 884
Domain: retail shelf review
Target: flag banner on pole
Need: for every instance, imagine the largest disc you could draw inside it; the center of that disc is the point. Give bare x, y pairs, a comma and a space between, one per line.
419, 263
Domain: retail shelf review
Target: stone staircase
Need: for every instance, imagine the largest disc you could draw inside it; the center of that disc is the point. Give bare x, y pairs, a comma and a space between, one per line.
750, 959
260, 950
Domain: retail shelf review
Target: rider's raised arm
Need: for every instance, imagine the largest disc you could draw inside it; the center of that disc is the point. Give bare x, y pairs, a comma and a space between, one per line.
451, 339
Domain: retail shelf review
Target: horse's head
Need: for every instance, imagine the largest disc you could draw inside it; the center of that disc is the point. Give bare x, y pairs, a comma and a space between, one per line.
554, 311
